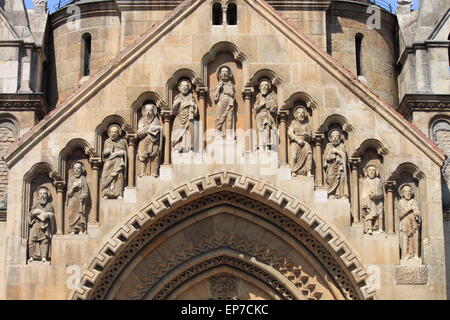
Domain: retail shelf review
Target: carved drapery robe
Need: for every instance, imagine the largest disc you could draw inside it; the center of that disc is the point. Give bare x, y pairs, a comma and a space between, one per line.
185, 110
149, 133
41, 221
410, 220
335, 164
266, 108
113, 175
76, 203
224, 98
372, 209
300, 148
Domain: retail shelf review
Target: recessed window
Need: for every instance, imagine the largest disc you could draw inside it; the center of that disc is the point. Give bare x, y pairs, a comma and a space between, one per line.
217, 14
87, 54
358, 49
232, 14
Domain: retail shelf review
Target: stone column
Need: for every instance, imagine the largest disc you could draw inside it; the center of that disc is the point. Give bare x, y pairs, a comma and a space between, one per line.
318, 141
354, 166
224, 15
248, 93
283, 115
132, 139
60, 187
96, 164
389, 187
201, 94
167, 117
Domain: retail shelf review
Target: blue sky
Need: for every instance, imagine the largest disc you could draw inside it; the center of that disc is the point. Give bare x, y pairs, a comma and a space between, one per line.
53, 3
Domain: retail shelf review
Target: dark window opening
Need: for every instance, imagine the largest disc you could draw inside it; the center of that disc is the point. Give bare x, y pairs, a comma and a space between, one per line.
217, 14
232, 14
87, 54
358, 45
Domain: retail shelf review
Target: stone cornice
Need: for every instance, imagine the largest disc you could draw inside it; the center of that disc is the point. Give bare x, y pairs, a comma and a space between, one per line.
423, 102
148, 39
300, 4
24, 101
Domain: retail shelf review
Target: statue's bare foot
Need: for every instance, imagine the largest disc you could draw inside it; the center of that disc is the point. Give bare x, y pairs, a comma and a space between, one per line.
119, 197
30, 260
44, 260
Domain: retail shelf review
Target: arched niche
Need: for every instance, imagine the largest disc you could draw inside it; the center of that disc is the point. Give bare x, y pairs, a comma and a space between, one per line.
409, 173
10, 122
9, 131
277, 83
101, 131
371, 152
146, 97
41, 174
440, 134
225, 54
172, 83
305, 100
77, 150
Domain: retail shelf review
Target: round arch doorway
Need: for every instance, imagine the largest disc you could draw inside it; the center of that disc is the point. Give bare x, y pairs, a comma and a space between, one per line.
225, 236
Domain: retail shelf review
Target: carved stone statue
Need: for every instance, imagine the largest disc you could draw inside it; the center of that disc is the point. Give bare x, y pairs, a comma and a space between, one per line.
299, 134
335, 164
372, 200
410, 222
114, 167
149, 147
185, 110
41, 220
266, 113
224, 98
77, 194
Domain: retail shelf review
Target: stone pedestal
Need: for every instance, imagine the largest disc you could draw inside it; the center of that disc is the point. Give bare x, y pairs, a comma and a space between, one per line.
165, 172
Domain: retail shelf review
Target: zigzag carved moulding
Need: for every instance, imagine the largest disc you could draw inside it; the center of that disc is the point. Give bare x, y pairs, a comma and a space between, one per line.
278, 207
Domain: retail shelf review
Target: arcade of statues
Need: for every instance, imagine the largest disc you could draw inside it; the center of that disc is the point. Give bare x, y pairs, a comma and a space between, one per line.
243, 149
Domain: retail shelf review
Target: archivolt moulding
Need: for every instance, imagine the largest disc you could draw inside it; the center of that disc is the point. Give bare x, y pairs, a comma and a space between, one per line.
293, 216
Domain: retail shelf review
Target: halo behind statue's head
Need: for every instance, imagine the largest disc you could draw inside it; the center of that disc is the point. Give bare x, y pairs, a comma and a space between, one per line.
369, 165
148, 106
187, 80
83, 170
49, 195
220, 68
265, 79
411, 186
335, 130
297, 108
116, 126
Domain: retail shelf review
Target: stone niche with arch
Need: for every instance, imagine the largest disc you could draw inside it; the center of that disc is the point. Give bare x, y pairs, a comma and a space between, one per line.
9, 131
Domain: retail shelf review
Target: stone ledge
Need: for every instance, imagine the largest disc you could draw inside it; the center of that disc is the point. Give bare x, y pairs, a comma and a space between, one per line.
411, 275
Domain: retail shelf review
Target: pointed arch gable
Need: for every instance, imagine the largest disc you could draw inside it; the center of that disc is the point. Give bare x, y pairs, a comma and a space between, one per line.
284, 210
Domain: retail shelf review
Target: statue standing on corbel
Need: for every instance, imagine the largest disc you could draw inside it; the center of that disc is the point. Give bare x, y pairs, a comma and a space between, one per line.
372, 201
115, 164
410, 223
224, 98
299, 134
41, 221
335, 164
185, 111
150, 141
77, 194
266, 114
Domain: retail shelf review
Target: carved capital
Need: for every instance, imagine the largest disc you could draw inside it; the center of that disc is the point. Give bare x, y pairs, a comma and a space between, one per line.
283, 114
132, 139
389, 186
318, 139
247, 92
96, 163
354, 163
60, 186
202, 92
167, 115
